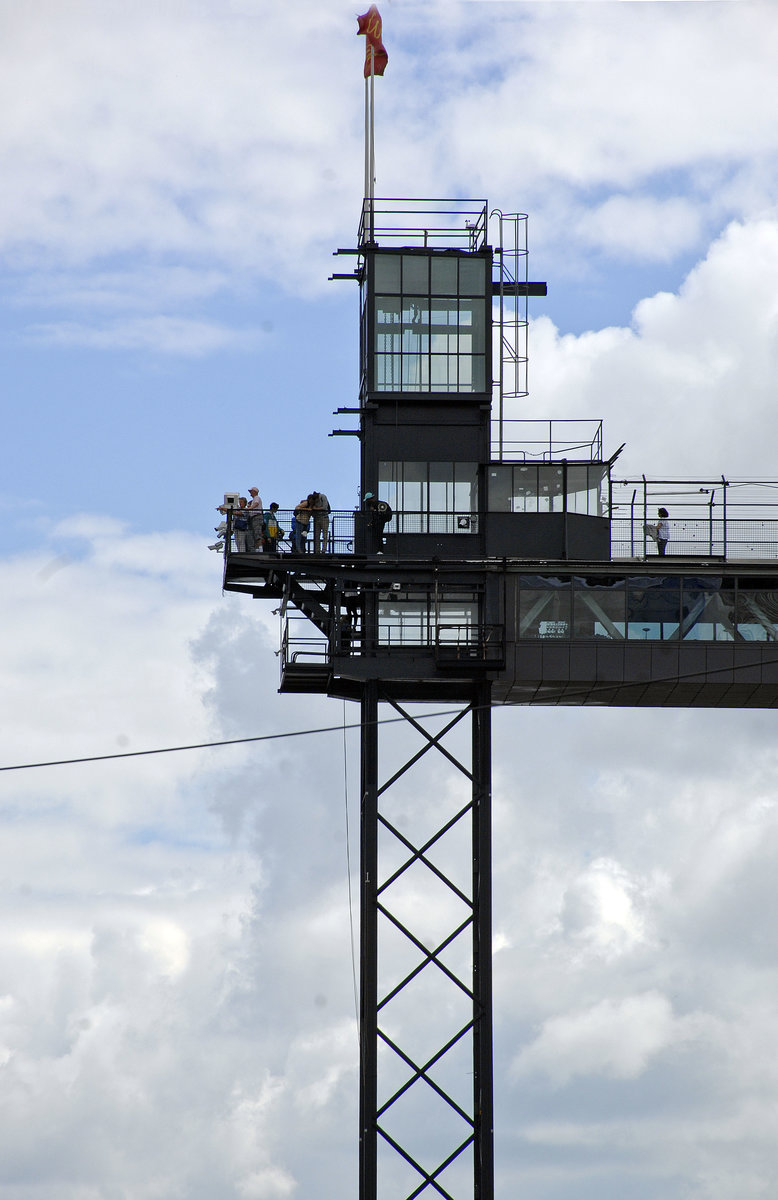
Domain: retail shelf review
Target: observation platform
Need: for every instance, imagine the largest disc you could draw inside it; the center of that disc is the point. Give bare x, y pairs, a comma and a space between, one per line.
695, 628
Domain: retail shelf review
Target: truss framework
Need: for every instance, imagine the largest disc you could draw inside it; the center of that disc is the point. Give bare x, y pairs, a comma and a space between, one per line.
442, 968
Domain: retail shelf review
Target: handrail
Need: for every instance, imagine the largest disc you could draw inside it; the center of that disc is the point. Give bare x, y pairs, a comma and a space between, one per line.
700, 526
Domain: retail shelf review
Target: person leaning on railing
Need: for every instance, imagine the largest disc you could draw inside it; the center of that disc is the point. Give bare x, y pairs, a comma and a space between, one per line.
320, 507
300, 522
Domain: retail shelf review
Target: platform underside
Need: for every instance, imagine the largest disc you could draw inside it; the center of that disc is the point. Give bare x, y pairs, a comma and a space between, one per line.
683, 671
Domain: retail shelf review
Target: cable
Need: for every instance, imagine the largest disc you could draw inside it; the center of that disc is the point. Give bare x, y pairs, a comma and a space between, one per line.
565, 692
265, 737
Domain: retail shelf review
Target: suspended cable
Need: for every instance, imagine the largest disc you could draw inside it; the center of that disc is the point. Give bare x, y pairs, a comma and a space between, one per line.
565, 692
264, 737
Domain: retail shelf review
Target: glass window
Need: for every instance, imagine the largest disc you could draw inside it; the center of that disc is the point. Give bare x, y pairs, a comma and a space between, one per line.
599, 611
707, 612
500, 484
387, 273
551, 489
653, 609
416, 274
444, 276
544, 608
403, 620
420, 315
584, 484
472, 276
524, 496
541, 488
456, 617
431, 497
757, 615
413, 618
387, 323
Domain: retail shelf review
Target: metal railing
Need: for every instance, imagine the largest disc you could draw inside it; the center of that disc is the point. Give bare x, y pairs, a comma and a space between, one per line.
714, 538
722, 518
454, 643
546, 441
698, 531
339, 537
436, 222
474, 643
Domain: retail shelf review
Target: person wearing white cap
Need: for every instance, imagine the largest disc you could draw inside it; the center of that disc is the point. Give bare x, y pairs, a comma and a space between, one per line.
256, 521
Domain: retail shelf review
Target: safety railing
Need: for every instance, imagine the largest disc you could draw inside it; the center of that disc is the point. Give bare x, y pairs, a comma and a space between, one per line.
724, 538
715, 538
337, 534
518, 440
727, 519
438, 222
456, 645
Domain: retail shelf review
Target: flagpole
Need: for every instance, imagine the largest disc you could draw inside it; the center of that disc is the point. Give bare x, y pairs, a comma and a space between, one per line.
367, 139
371, 192
369, 24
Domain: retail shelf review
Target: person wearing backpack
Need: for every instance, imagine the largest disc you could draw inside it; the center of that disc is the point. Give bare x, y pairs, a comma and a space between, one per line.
273, 531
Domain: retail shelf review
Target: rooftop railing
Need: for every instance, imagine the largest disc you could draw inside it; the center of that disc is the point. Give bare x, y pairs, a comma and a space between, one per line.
546, 441
436, 223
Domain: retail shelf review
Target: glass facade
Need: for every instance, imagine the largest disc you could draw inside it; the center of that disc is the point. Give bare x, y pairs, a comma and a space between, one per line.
430, 497
414, 618
431, 322
653, 608
548, 487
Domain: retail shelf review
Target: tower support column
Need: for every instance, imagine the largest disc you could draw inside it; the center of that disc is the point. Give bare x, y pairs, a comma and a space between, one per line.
368, 1000
426, 1116
483, 1099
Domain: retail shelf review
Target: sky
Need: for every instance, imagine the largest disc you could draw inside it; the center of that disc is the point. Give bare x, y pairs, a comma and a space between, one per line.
177, 1016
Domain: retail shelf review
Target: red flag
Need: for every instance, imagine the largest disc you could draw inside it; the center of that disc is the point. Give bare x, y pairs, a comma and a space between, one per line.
370, 25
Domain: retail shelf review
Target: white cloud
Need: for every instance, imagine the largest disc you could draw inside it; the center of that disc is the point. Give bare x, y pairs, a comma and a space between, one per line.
159, 334
177, 961
144, 952
646, 227
690, 384
613, 1038
176, 954
236, 138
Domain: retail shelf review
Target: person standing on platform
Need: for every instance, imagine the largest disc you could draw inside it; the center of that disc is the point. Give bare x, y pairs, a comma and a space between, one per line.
662, 531
320, 507
272, 529
379, 516
300, 523
240, 525
256, 530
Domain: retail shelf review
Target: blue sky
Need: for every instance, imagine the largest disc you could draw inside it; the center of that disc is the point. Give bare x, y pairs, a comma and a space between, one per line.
176, 993
179, 186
